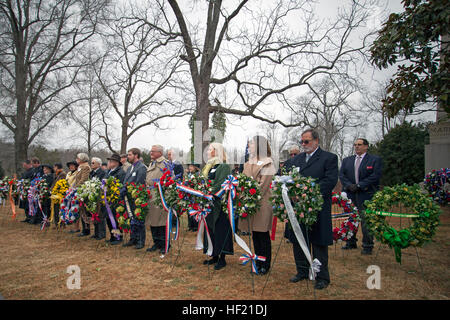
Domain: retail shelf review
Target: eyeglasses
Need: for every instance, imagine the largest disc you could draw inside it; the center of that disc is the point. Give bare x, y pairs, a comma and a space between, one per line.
305, 141
358, 144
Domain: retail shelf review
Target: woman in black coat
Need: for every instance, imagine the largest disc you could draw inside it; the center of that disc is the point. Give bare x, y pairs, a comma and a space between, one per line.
218, 224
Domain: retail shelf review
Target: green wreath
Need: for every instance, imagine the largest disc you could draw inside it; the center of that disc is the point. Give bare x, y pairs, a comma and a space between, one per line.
305, 196
425, 217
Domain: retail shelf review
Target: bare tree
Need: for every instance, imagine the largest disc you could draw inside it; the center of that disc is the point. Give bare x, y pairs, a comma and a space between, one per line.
328, 110
251, 55
372, 105
138, 74
279, 137
87, 113
39, 42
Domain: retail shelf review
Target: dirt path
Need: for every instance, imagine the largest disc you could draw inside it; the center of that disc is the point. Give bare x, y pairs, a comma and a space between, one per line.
33, 265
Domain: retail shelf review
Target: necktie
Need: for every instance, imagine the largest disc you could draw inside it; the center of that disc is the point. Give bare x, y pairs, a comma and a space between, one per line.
358, 162
308, 156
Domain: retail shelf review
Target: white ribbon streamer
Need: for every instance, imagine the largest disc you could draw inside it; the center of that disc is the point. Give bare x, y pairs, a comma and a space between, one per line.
199, 243
314, 264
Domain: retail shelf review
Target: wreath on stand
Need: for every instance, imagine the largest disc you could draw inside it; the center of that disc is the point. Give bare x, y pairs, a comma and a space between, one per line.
350, 226
70, 207
57, 195
248, 196
305, 196
140, 196
89, 194
437, 184
424, 214
191, 194
170, 192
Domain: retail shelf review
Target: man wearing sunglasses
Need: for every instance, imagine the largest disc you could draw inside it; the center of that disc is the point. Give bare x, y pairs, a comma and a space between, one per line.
360, 177
323, 166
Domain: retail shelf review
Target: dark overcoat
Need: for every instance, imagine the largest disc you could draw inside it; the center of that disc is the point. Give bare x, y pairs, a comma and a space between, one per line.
322, 166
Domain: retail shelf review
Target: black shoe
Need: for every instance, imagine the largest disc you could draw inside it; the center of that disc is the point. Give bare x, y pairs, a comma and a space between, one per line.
129, 243
73, 231
114, 242
100, 237
83, 234
298, 277
94, 236
220, 264
210, 261
349, 246
26, 220
163, 250
262, 271
320, 284
366, 251
139, 246
153, 248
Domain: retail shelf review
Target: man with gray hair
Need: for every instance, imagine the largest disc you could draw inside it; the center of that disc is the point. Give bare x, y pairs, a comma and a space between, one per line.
97, 171
156, 215
322, 166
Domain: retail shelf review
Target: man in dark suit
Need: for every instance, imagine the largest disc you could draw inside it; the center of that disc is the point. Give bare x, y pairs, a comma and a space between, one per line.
360, 177
178, 169
37, 168
136, 173
323, 166
115, 170
26, 175
96, 170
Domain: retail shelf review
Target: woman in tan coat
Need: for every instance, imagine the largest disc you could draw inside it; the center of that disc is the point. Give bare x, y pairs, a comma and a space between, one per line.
82, 175
261, 168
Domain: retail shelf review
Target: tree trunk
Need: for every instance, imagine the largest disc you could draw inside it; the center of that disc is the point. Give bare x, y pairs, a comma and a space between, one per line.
124, 136
20, 150
202, 114
21, 131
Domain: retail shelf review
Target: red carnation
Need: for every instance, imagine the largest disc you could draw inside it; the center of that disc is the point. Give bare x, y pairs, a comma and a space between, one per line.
180, 196
125, 215
252, 191
75, 210
117, 216
137, 214
244, 215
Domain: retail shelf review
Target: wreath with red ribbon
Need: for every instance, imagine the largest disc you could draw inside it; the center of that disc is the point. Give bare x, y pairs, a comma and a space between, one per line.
350, 226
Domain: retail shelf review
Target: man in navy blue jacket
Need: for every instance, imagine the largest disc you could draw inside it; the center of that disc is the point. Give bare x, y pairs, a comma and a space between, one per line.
360, 177
323, 166
136, 173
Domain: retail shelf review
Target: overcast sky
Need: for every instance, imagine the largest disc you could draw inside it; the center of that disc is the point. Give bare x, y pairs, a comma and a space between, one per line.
238, 130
